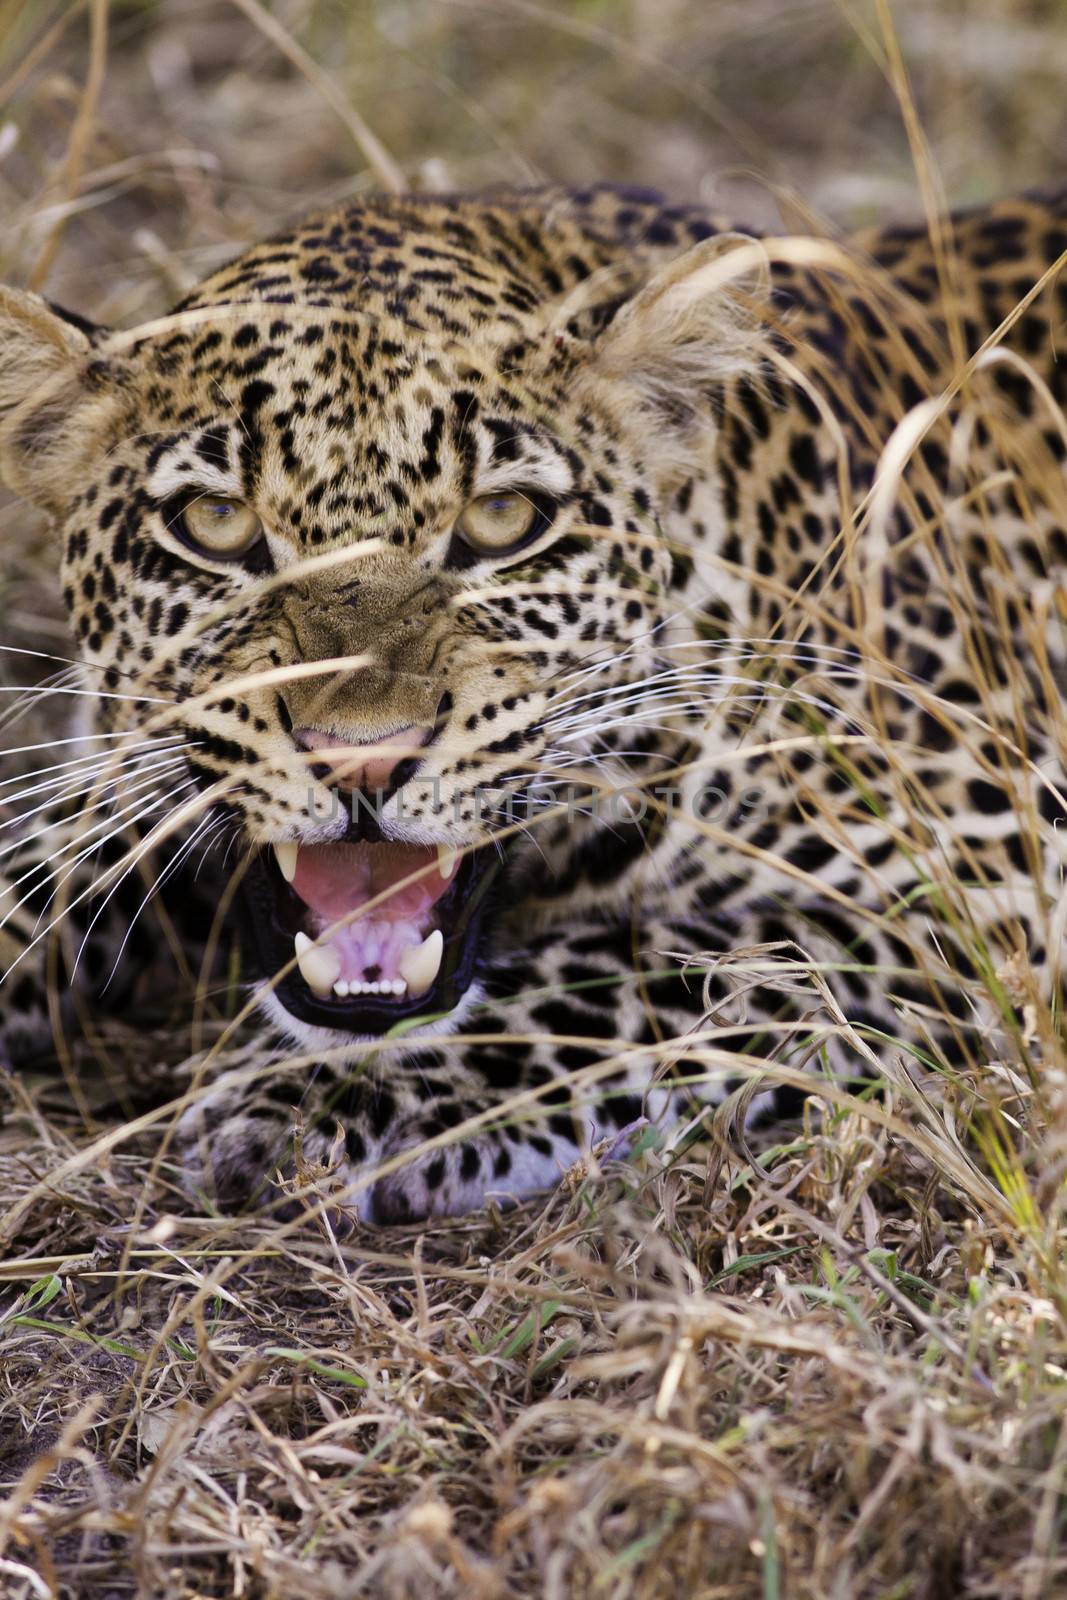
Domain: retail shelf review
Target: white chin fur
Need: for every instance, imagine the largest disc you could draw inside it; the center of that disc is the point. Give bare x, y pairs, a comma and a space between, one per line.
308, 1036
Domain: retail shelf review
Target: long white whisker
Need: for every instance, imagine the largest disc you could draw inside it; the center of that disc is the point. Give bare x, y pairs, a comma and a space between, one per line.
27, 696
91, 850
78, 738
140, 809
49, 868
665, 683
85, 694
87, 767
779, 650
172, 821
209, 843
69, 661
117, 885
183, 849
19, 843
662, 679
634, 718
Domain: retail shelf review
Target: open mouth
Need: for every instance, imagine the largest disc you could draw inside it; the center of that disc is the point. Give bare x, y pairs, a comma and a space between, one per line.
412, 952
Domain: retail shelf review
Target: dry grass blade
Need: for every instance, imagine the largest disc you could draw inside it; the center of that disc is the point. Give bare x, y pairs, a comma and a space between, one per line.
80, 136
377, 157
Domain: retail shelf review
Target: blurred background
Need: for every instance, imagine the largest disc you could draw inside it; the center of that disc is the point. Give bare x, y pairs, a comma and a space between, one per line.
215, 120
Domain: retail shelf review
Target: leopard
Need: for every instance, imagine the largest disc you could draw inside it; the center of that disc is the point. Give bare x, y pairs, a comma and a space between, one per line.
588, 657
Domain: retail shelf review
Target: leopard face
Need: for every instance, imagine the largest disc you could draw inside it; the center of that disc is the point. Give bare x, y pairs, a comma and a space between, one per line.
350, 538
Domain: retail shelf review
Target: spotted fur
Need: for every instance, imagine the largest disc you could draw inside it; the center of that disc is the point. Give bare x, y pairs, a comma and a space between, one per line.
810, 686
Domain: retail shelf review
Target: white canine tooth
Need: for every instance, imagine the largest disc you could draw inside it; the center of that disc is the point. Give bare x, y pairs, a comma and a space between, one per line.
285, 855
446, 860
419, 967
320, 965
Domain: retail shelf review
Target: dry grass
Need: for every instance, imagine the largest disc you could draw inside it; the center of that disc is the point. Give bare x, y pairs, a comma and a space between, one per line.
833, 1366
819, 1371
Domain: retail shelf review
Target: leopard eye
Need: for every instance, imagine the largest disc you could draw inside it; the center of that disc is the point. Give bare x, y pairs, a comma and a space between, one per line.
220, 527
495, 523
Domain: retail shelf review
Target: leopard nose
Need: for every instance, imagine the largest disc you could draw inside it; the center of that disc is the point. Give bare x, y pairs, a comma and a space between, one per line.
371, 765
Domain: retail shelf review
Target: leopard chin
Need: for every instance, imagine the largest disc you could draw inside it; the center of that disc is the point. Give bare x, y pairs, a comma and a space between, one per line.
369, 935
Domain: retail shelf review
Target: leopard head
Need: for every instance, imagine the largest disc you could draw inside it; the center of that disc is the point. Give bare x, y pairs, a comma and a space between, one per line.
352, 532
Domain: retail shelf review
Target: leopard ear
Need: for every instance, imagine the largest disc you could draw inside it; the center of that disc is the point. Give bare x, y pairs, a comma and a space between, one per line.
691, 326
57, 393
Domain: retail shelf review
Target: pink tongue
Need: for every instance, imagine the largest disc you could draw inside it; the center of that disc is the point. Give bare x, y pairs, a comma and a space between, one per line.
336, 879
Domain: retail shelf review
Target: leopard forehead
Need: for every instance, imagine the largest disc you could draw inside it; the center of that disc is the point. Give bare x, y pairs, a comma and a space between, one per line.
362, 378
344, 429
373, 370
333, 436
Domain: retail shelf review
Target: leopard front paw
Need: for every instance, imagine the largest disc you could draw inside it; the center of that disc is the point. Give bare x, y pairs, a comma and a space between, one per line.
229, 1147
238, 1147
504, 1165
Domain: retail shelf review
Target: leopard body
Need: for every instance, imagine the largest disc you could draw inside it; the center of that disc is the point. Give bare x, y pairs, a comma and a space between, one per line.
791, 630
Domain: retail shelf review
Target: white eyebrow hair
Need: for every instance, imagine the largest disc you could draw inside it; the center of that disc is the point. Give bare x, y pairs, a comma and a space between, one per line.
535, 472
184, 473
